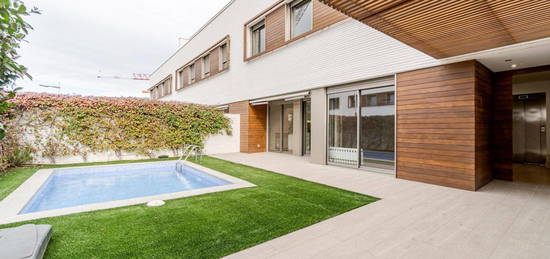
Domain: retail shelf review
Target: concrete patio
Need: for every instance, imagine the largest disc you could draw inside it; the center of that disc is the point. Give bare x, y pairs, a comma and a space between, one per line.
413, 220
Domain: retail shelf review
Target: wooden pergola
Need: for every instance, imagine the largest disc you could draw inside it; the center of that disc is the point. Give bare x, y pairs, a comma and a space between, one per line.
446, 28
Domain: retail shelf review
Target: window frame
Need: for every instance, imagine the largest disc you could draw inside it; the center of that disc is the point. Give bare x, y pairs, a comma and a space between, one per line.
162, 88
390, 99
290, 9
205, 71
334, 105
180, 83
352, 102
223, 57
253, 28
192, 73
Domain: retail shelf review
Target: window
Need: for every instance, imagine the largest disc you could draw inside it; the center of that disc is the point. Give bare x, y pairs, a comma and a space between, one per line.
224, 58
372, 100
334, 104
351, 101
180, 81
206, 66
258, 38
167, 87
390, 99
191, 73
301, 17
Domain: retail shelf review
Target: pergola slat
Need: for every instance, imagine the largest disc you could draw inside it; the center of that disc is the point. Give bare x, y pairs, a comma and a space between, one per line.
449, 28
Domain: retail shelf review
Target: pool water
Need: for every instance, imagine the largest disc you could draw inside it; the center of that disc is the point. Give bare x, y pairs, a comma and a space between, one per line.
88, 185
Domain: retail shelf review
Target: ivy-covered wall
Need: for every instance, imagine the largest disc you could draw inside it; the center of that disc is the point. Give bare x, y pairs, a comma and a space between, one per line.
57, 125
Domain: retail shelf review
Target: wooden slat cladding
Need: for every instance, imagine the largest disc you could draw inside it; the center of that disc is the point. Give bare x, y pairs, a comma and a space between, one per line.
257, 128
214, 61
214, 53
450, 28
443, 125
502, 139
276, 27
185, 77
324, 16
483, 115
253, 126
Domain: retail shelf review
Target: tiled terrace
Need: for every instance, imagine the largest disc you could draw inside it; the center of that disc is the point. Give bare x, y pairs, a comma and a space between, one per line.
413, 220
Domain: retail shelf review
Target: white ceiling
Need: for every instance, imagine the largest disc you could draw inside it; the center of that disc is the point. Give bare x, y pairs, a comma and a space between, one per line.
528, 54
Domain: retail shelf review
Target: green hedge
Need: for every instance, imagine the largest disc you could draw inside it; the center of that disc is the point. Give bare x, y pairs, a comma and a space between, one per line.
59, 125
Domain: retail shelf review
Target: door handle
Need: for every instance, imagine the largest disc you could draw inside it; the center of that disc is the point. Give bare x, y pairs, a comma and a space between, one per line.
542, 129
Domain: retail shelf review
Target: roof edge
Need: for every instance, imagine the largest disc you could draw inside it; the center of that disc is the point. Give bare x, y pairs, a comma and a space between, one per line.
195, 34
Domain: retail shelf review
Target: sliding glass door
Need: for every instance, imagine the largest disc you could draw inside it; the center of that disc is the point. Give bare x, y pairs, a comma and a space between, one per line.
377, 128
306, 135
275, 129
361, 128
281, 127
342, 128
288, 127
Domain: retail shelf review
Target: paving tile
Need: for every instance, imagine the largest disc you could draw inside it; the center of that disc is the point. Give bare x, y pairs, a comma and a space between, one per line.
413, 220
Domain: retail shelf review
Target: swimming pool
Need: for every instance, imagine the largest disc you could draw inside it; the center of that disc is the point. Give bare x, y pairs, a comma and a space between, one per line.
71, 190
80, 186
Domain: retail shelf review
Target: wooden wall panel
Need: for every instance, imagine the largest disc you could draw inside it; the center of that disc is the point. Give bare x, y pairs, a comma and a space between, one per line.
443, 125
214, 61
198, 70
483, 115
185, 77
253, 126
257, 128
275, 29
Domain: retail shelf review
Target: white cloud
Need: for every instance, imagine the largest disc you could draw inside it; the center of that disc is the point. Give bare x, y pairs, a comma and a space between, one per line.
74, 39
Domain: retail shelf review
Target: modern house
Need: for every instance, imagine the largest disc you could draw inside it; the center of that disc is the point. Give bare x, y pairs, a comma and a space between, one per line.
452, 93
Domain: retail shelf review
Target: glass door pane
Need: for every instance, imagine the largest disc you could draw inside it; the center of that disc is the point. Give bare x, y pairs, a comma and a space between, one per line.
288, 126
307, 127
275, 120
377, 128
342, 128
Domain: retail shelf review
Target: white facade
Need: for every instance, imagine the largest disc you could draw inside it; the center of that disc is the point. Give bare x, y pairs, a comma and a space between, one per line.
344, 52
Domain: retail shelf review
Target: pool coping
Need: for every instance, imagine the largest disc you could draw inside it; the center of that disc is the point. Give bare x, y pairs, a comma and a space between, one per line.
18, 199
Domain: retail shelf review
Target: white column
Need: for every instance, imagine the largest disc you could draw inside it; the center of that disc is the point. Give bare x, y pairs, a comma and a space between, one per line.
318, 126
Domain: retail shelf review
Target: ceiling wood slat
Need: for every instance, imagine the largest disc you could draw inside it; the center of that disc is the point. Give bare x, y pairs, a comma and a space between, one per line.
449, 28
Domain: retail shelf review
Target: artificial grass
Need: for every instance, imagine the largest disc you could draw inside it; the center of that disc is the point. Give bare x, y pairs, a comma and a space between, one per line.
207, 226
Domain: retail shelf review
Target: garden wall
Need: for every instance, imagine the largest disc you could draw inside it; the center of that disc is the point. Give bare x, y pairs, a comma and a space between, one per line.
214, 144
60, 129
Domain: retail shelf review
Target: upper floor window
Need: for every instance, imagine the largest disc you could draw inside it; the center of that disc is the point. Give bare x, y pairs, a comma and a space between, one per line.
301, 17
372, 100
351, 101
180, 82
334, 104
258, 37
191, 73
224, 56
206, 66
390, 99
162, 89
167, 89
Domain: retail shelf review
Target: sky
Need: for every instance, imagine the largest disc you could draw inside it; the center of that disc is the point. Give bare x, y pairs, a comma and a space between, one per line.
74, 41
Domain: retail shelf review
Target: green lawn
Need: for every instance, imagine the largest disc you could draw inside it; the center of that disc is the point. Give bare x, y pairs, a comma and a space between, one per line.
206, 226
